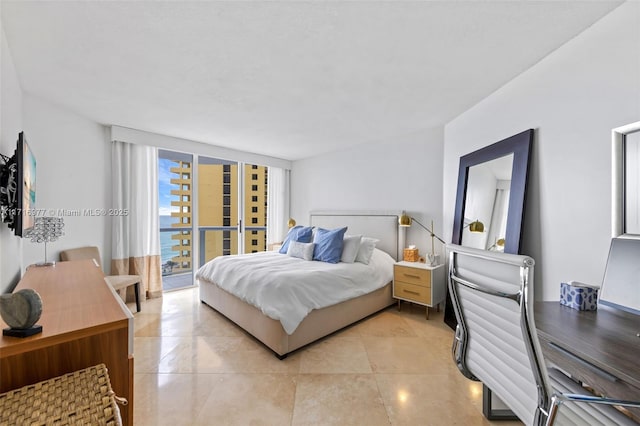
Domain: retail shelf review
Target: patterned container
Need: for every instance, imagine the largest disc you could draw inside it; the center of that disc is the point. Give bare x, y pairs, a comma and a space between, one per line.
410, 255
579, 296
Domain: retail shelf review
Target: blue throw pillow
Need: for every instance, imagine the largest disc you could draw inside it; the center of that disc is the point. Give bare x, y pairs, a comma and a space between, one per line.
328, 245
301, 234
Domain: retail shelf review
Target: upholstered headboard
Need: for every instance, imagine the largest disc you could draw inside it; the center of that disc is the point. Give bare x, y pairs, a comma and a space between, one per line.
380, 225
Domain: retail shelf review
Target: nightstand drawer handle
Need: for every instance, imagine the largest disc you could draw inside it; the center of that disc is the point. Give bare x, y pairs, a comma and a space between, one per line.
411, 292
412, 276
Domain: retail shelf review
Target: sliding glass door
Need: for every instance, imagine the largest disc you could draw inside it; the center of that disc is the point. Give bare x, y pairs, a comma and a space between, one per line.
225, 201
232, 200
218, 218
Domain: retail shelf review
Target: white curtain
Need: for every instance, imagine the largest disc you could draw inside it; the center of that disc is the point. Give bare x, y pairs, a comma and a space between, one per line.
135, 232
278, 190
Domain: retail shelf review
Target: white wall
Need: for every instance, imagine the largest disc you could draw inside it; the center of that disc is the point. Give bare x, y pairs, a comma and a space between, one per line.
73, 157
73, 172
10, 126
572, 98
404, 174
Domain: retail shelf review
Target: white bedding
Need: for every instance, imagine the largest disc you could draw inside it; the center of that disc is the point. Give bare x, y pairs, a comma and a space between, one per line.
286, 288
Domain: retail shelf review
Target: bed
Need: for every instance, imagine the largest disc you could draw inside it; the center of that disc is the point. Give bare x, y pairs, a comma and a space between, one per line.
319, 322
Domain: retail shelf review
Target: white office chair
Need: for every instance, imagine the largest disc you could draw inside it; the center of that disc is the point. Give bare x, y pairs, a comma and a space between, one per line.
496, 342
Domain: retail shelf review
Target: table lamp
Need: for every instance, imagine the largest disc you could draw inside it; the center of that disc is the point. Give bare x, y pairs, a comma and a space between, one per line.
45, 230
406, 221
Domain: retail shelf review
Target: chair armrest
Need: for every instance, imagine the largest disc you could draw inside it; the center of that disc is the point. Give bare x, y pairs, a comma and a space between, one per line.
595, 400
559, 399
584, 409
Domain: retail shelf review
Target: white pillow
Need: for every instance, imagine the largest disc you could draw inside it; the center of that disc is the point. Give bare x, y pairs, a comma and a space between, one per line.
350, 248
366, 250
300, 250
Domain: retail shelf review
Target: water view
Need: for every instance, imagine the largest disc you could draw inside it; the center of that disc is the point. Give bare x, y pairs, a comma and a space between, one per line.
165, 239
167, 254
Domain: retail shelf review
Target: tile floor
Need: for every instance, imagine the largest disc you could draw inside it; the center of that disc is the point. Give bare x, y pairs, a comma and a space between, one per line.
194, 367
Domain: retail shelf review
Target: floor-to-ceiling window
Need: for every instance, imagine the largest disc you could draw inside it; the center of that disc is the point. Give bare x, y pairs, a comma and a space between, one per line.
218, 218
215, 209
175, 196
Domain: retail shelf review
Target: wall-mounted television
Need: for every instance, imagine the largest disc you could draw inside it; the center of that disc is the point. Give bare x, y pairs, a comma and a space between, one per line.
18, 188
26, 186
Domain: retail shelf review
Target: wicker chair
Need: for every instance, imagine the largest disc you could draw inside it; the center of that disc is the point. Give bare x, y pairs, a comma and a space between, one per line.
83, 397
118, 282
496, 342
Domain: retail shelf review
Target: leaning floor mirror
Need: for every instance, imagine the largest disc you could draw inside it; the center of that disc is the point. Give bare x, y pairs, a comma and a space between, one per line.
489, 213
490, 198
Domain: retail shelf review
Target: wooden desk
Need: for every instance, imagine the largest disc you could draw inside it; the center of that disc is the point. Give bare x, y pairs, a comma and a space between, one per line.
599, 348
84, 323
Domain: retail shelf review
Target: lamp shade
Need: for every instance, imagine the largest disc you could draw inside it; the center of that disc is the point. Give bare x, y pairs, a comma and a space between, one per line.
404, 220
476, 226
46, 229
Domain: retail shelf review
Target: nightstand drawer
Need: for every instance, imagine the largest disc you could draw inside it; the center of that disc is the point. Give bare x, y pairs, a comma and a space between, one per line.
417, 276
412, 292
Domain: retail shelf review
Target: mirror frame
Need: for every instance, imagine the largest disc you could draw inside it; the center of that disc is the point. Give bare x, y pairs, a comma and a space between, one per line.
618, 192
520, 146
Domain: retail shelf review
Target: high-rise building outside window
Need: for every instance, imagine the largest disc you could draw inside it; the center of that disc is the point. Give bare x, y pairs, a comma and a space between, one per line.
216, 192
218, 206
175, 187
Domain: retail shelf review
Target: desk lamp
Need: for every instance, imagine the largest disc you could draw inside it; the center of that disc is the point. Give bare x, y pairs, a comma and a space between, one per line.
498, 245
406, 221
475, 226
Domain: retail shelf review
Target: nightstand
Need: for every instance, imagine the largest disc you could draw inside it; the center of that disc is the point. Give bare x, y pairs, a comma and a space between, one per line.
419, 283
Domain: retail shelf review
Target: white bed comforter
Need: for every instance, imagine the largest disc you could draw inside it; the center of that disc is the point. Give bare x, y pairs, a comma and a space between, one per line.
287, 288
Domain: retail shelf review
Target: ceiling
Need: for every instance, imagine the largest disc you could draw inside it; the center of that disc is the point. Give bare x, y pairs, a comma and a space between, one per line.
287, 79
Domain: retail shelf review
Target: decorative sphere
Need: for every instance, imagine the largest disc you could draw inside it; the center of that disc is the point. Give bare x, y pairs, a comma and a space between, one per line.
22, 309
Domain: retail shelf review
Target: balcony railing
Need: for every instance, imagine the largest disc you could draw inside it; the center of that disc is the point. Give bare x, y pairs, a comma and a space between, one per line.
177, 267
227, 242
181, 260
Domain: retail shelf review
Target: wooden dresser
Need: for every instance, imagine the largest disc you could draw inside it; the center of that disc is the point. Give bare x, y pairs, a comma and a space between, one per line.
84, 323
